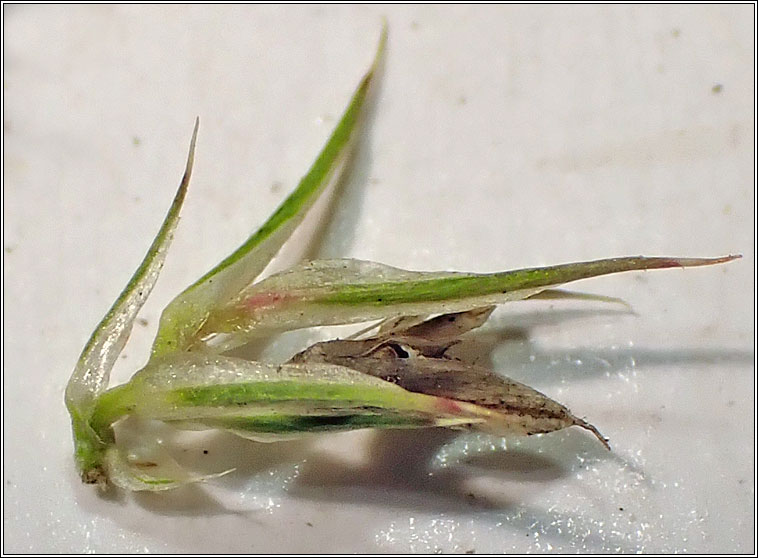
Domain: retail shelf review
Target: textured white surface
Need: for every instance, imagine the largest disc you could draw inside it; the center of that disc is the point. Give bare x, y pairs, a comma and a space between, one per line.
503, 137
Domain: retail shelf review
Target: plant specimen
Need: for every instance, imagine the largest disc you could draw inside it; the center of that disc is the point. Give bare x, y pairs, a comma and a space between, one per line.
398, 377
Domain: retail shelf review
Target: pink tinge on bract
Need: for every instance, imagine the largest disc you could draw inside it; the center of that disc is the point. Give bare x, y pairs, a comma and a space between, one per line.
448, 406
266, 300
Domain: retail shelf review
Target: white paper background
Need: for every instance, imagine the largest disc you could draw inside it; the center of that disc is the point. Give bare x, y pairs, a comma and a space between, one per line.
502, 137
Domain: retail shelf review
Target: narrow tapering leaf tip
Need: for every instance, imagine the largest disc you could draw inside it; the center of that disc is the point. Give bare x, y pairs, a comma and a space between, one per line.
191, 156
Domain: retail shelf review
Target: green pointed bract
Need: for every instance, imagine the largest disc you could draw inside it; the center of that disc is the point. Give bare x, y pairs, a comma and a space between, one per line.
92, 372
258, 400
332, 292
184, 317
